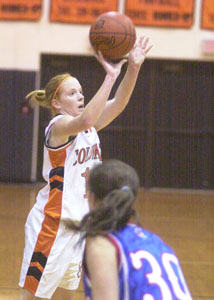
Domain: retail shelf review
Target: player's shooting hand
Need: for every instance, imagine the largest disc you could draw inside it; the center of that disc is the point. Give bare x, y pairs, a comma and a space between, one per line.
111, 68
139, 51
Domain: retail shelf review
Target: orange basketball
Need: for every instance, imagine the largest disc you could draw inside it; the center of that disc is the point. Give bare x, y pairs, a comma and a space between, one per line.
113, 34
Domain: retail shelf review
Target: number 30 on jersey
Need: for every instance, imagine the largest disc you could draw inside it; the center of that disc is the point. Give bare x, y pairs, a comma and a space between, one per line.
156, 277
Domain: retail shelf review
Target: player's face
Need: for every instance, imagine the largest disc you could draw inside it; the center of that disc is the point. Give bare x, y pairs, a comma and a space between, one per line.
71, 99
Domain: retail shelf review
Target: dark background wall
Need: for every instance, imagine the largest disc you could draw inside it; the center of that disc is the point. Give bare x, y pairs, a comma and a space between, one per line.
166, 132
16, 124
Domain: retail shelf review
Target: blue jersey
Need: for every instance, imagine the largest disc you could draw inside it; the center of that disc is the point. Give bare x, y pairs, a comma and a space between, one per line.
148, 269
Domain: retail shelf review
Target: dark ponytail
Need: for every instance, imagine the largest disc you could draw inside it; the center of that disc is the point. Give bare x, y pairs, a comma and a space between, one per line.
115, 185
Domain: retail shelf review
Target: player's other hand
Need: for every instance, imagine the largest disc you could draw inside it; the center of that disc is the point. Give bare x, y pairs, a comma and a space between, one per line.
139, 51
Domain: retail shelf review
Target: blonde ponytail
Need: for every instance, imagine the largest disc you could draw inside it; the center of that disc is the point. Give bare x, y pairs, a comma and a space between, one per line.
44, 97
38, 96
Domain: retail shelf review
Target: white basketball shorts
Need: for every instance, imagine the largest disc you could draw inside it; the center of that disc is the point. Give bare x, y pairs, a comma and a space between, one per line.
52, 256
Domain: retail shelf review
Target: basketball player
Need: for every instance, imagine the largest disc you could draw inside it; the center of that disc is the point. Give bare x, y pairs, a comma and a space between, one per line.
122, 260
51, 264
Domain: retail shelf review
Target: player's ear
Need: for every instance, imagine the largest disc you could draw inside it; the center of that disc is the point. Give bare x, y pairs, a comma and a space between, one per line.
55, 104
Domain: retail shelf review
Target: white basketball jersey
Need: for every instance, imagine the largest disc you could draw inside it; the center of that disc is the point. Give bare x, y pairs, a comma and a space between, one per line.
66, 169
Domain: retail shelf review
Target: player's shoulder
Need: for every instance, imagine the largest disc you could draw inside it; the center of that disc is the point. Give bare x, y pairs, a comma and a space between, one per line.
148, 238
98, 245
156, 242
53, 120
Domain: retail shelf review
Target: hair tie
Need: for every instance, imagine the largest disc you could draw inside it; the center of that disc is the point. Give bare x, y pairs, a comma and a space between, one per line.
125, 188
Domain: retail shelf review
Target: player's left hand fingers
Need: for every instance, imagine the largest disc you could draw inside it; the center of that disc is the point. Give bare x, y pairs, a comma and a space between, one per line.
141, 41
148, 49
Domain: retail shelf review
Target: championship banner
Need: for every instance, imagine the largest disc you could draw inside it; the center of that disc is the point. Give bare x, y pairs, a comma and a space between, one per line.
20, 9
207, 20
80, 11
161, 13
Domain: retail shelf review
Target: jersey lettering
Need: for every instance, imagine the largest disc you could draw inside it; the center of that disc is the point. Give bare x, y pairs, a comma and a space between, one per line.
87, 153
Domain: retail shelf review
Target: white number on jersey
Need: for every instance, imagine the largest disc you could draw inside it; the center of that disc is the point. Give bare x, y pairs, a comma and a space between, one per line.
155, 276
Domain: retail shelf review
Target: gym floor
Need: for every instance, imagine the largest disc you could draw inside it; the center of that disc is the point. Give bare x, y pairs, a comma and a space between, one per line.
182, 218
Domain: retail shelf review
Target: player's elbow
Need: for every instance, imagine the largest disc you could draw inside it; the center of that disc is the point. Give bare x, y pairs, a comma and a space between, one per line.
119, 108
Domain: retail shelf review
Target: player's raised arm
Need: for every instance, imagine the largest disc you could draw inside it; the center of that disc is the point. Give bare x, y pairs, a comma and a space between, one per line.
122, 96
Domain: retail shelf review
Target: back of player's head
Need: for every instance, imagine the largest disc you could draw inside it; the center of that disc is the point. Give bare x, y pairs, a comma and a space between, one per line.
113, 175
114, 185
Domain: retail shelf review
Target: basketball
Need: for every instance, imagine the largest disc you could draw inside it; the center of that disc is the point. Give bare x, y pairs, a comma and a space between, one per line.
112, 33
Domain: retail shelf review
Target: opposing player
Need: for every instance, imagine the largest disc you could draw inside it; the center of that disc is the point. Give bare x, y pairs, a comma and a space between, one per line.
51, 264
122, 260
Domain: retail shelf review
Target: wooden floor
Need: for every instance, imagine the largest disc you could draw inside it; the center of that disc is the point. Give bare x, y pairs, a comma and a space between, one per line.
184, 219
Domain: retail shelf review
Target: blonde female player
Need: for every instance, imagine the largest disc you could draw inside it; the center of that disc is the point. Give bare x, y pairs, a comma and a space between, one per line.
51, 264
